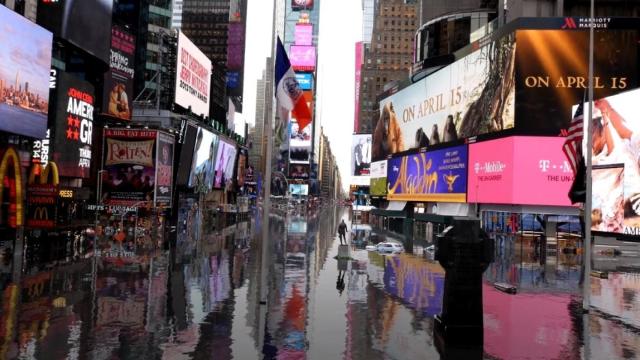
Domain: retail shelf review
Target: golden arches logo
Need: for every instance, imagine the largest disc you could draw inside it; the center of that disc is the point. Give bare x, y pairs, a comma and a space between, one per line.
11, 157
51, 168
41, 213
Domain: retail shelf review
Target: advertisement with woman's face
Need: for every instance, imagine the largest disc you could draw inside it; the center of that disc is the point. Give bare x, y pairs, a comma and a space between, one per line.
616, 169
225, 160
202, 168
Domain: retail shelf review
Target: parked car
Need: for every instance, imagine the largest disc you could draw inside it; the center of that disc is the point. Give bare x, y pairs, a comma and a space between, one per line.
389, 247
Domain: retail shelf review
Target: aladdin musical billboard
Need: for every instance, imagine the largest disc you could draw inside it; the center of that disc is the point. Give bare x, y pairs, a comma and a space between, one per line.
616, 170
452, 103
193, 76
523, 170
73, 134
131, 164
439, 175
118, 82
24, 75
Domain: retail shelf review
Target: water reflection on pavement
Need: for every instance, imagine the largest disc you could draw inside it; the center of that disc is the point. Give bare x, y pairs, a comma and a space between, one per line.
201, 299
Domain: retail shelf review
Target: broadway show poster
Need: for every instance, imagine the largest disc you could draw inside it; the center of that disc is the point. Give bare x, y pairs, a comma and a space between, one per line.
118, 81
474, 95
361, 152
225, 161
130, 167
24, 75
73, 135
552, 73
164, 166
242, 167
432, 176
616, 174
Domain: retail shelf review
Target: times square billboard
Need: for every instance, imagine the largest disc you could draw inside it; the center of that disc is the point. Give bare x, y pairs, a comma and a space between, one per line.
522, 80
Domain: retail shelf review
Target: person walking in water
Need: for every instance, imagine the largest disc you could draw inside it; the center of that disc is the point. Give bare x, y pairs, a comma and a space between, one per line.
342, 232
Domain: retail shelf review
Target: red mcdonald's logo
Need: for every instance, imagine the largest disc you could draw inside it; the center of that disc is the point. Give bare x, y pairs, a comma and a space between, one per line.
569, 23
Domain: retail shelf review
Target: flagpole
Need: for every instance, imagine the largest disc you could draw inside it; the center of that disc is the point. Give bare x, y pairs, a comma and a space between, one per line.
586, 286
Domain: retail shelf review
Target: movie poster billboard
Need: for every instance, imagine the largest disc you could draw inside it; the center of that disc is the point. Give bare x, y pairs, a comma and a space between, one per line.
193, 76
616, 170
204, 159
73, 134
299, 171
129, 163
118, 82
452, 103
85, 23
439, 176
24, 75
225, 162
164, 167
552, 73
378, 182
298, 5
361, 159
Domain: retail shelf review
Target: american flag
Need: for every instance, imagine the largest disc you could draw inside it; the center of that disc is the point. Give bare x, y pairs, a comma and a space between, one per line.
572, 147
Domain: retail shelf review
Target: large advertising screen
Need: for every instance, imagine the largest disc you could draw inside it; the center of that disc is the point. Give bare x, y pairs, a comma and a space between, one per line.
299, 171
73, 134
552, 73
305, 80
225, 162
301, 5
299, 143
303, 34
299, 189
303, 58
360, 159
378, 182
186, 154
439, 175
241, 174
164, 166
616, 170
24, 75
204, 159
474, 95
522, 170
193, 75
118, 82
84, 23
358, 76
129, 163
236, 47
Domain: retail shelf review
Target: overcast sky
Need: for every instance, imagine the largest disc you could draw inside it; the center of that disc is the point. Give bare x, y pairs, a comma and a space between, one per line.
340, 29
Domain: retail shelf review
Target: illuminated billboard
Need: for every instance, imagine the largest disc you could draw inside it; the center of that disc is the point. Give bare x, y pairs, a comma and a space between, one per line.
118, 82
360, 159
439, 175
378, 182
302, 58
523, 170
73, 134
305, 80
297, 5
24, 75
299, 189
204, 159
304, 34
616, 170
451, 103
225, 161
193, 76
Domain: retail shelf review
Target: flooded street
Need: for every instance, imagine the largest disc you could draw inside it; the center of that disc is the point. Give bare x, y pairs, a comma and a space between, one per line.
201, 299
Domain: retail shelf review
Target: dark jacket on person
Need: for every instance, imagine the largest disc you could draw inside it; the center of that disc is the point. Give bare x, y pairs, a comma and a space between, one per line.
342, 228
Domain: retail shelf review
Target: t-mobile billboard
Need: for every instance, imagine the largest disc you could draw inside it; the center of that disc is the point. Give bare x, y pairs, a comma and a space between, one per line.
540, 176
193, 75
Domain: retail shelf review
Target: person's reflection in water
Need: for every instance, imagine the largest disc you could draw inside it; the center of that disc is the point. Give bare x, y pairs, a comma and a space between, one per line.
340, 281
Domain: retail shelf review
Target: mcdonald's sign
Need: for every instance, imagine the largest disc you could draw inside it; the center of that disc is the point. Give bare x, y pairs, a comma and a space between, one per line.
42, 196
9, 160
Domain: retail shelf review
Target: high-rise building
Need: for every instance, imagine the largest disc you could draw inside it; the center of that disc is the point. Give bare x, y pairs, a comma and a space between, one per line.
389, 56
368, 12
176, 15
26, 8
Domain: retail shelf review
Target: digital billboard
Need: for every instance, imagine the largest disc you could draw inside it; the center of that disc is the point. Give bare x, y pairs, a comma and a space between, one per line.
118, 82
522, 170
129, 163
439, 175
164, 167
297, 5
84, 23
193, 75
378, 182
236, 38
73, 129
358, 76
186, 154
305, 80
204, 159
299, 171
616, 170
299, 155
24, 75
303, 34
299, 137
303, 58
552, 73
472, 96
225, 162
241, 173
299, 189
360, 159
